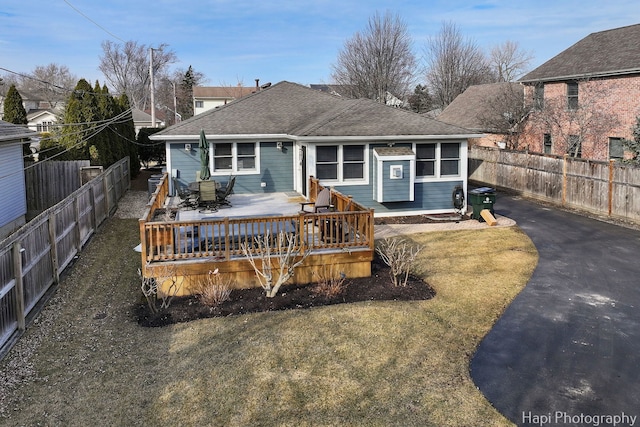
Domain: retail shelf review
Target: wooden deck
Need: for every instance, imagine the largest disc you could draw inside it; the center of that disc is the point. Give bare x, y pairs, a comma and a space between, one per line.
198, 242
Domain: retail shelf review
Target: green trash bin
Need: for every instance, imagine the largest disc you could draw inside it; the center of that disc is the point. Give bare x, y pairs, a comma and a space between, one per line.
482, 198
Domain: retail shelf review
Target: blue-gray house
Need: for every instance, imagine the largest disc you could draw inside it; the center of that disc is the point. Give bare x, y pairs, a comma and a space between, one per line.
394, 161
13, 196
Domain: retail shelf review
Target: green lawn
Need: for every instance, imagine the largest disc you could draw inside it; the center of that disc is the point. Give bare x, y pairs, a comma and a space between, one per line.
372, 363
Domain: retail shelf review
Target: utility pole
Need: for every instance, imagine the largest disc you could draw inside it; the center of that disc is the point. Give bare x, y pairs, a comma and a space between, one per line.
153, 101
175, 103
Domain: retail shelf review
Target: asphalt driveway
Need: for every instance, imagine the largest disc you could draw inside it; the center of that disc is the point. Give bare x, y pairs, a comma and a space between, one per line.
569, 345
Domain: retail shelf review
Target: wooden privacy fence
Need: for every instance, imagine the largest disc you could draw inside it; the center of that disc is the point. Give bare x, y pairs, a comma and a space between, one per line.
32, 258
605, 188
48, 183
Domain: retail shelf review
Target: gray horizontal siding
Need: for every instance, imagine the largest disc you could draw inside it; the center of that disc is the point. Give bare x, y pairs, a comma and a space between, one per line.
429, 196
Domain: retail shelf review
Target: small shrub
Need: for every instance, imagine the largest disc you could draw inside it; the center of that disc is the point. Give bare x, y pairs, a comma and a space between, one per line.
214, 289
149, 287
329, 285
399, 256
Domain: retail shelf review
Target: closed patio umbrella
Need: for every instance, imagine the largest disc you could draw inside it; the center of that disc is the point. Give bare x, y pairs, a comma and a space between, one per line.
204, 156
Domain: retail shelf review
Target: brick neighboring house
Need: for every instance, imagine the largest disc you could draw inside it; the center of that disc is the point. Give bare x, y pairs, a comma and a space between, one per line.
586, 99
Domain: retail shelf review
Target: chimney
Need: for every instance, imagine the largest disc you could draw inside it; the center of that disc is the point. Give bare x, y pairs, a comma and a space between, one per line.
257, 84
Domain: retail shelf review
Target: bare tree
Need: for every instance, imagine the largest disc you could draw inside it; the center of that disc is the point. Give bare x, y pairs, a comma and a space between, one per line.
377, 62
506, 113
508, 61
453, 64
51, 82
582, 125
126, 68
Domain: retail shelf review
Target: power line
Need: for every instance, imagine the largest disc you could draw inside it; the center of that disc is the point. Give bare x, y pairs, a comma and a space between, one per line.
94, 22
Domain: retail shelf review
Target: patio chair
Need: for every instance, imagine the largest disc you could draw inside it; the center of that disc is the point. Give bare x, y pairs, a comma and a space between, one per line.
207, 198
322, 203
223, 194
337, 230
188, 199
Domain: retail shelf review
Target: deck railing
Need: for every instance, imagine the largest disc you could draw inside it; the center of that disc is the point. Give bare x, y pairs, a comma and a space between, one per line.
348, 227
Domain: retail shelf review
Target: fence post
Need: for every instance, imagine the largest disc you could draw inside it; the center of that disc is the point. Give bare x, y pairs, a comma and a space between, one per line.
611, 162
17, 272
53, 244
564, 179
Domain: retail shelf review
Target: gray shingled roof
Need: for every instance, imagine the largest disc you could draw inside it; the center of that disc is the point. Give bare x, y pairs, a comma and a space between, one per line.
13, 133
469, 109
292, 109
610, 52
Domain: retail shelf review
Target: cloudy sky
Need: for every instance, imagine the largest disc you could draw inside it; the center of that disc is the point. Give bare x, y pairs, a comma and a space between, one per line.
233, 41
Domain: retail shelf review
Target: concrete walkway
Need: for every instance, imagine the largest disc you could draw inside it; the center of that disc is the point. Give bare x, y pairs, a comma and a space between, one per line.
569, 344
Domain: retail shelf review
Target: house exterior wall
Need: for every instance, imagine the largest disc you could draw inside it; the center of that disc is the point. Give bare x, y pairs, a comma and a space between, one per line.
276, 167
13, 200
607, 108
208, 104
432, 195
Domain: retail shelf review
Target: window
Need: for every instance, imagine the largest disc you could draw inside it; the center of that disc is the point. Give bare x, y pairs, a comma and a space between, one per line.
538, 96
616, 148
199, 104
572, 95
44, 126
575, 147
234, 157
450, 159
547, 143
340, 162
426, 159
438, 159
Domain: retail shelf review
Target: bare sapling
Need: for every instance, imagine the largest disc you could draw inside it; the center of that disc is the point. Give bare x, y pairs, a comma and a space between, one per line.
214, 289
266, 251
399, 256
152, 287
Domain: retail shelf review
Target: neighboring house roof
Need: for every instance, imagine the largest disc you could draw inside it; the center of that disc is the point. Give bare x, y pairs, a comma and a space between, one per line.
290, 109
226, 92
470, 108
14, 133
34, 114
606, 53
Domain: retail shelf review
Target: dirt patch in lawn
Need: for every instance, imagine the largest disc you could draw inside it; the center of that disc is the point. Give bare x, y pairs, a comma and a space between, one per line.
378, 287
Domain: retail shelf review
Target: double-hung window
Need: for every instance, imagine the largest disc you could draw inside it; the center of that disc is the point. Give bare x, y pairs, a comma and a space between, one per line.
574, 148
436, 160
538, 96
572, 95
546, 142
616, 148
341, 163
236, 157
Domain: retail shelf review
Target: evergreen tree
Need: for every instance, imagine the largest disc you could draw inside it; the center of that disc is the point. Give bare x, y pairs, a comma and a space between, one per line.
420, 101
104, 147
186, 94
80, 115
14, 111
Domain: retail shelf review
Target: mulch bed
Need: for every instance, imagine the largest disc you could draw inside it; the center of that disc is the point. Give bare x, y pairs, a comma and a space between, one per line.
378, 287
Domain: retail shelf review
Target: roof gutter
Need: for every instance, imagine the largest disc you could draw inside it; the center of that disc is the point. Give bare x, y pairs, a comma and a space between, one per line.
280, 137
582, 76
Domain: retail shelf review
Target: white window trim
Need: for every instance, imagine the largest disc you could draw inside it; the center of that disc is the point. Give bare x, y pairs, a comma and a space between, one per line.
340, 181
437, 174
234, 160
